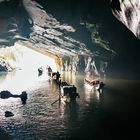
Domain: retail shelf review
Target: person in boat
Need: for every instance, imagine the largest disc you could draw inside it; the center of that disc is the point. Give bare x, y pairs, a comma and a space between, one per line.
40, 71
73, 93
23, 97
57, 77
64, 83
101, 86
93, 82
49, 70
69, 91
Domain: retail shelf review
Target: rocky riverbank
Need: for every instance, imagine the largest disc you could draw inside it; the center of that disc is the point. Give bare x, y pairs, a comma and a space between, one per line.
5, 66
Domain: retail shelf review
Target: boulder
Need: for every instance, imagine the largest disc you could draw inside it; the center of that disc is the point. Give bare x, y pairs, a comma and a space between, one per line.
8, 114
4, 66
5, 94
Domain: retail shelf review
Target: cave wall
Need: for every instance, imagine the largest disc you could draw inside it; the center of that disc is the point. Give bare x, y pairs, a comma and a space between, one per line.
128, 12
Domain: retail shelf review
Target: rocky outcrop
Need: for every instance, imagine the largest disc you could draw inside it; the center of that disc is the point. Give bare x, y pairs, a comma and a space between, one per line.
5, 94
38, 27
49, 33
11, 22
8, 114
128, 12
54, 36
5, 66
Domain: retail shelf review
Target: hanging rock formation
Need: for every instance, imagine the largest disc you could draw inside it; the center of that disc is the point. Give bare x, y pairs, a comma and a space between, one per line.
128, 12
35, 26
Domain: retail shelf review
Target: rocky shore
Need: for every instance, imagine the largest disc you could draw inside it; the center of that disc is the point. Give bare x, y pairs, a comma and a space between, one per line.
5, 66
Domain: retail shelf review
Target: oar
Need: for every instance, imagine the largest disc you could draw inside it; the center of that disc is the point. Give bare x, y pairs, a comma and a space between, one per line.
55, 101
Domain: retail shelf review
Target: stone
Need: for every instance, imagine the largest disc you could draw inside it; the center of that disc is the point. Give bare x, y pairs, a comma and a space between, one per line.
8, 114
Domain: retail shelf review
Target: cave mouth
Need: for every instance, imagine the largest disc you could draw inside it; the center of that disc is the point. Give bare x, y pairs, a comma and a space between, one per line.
25, 63
31, 60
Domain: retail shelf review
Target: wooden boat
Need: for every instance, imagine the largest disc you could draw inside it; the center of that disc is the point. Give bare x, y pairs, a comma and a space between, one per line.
96, 83
40, 71
68, 93
92, 82
55, 76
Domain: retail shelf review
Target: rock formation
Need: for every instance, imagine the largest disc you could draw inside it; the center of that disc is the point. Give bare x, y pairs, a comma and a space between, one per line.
128, 12
5, 66
5, 94
8, 114
34, 25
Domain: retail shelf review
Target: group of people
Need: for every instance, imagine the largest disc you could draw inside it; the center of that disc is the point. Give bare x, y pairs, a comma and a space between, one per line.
40, 70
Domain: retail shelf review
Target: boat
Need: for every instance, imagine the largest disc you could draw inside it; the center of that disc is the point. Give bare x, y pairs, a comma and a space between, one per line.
55, 76
40, 71
68, 93
95, 83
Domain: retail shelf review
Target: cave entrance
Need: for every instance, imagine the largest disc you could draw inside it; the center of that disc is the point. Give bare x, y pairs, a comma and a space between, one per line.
31, 58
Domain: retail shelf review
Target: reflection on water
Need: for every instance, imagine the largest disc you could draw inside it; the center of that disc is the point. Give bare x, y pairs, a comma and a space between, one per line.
39, 120
90, 93
69, 76
20, 80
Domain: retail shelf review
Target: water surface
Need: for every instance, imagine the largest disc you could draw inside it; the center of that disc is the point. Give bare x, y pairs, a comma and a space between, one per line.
93, 116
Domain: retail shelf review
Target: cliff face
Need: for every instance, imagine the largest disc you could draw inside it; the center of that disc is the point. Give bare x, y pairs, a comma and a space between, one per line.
128, 12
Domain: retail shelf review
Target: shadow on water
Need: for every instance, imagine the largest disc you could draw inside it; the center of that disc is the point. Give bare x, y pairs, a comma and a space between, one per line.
71, 109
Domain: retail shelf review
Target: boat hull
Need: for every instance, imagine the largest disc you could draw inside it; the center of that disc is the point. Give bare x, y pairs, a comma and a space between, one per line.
92, 83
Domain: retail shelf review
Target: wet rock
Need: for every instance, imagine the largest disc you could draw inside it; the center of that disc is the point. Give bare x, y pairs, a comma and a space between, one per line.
4, 66
5, 94
8, 114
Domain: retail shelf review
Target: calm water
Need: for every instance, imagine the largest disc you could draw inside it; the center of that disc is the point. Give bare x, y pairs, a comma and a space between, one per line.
112, 114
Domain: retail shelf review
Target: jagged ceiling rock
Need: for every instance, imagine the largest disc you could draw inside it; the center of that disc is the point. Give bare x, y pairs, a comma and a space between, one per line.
35, 25
47, 30
128, 12
10, 22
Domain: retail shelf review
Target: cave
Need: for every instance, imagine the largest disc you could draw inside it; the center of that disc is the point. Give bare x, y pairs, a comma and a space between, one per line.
98, 39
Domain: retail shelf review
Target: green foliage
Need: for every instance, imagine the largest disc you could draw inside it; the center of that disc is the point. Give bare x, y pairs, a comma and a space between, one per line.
12, 57
7, 55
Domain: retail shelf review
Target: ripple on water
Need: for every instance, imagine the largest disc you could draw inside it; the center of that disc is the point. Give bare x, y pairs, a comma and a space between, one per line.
38, 119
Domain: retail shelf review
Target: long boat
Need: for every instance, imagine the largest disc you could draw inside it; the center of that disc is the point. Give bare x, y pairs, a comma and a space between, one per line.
68, 93
95, 82
92, 81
